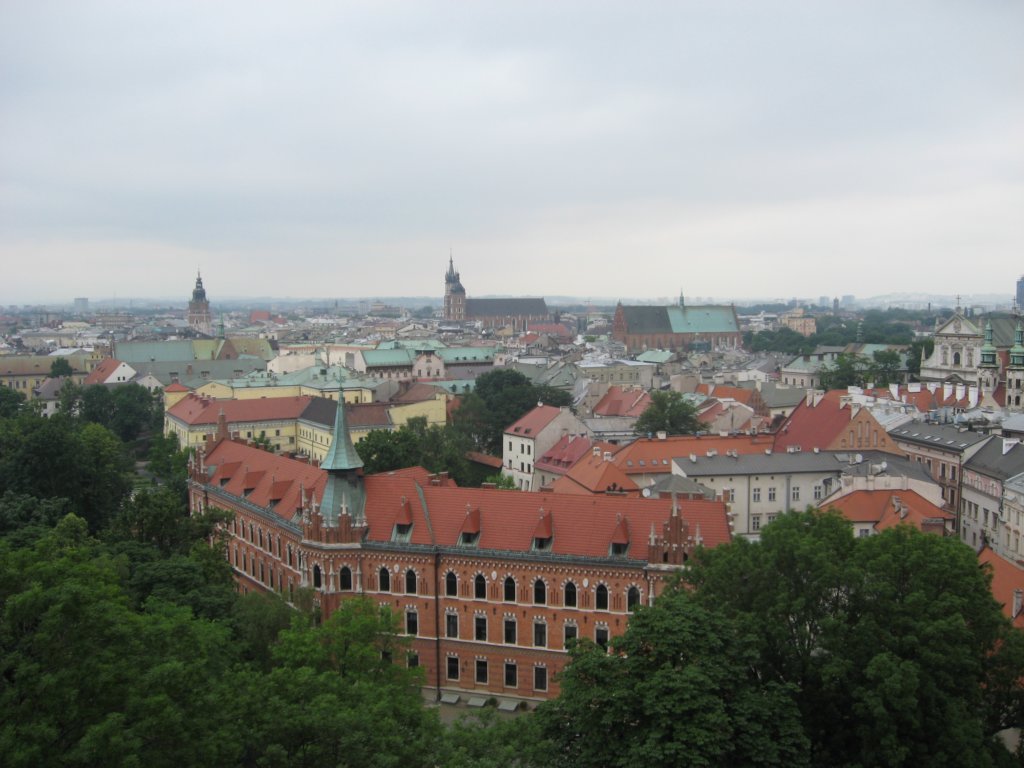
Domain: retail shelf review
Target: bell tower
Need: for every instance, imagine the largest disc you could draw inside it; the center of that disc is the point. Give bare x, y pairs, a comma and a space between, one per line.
454, 295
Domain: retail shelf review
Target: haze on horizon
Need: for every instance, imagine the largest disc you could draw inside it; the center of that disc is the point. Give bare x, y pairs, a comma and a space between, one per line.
589, 149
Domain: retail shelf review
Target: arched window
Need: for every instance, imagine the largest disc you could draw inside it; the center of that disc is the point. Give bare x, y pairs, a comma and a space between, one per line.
410, 582
385, 580
480, 587
345, 579
956, 358
601, 598
510, 589
451, 584
570, 595
540, 592
632, 598
316, 577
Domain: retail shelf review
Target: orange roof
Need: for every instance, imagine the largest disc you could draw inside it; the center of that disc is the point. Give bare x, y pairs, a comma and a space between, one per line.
580, 526
619, 402
176, 386
103, 371
816, 425
885, 508
724, 392
534, 421
196, 410
567, 451
594, 474
651, 455
1007, 577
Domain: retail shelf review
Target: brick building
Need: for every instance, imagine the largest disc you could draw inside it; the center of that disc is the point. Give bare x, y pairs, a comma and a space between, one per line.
490, 585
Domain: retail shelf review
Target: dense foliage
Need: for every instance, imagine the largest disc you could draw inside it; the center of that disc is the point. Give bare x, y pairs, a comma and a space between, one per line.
436, 448
500, 398
892, 326
668, 412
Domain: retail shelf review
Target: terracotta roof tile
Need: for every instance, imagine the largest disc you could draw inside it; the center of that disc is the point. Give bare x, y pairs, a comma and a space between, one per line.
653, 456
534, 421
1007, 577
195, 410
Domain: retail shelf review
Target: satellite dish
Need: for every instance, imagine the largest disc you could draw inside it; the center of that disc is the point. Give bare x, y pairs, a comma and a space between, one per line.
646, 493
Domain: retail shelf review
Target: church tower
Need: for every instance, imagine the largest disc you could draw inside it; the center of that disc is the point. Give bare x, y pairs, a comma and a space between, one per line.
1015, 371
199, 318
988, 371
454, 295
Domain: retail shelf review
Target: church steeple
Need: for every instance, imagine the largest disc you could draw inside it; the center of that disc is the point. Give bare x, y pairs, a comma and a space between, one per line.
988, 350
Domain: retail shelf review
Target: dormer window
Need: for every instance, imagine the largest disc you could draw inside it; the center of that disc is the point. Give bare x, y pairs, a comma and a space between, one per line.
467, 539
618, 549
402, 533
541, 544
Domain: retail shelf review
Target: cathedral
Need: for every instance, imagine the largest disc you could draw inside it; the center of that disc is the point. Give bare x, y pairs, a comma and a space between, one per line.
984, 356
516, 313
199, 318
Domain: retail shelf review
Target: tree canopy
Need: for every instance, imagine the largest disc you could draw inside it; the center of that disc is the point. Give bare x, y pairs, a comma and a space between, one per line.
668, 412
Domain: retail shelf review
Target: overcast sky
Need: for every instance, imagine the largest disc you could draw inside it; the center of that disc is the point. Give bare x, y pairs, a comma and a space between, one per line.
728, 149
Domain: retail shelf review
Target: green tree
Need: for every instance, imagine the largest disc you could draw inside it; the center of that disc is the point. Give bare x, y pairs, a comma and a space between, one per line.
11, 402
668, 412
679, 688
500, 398
60, 367
885, 367
848, 370
876, 637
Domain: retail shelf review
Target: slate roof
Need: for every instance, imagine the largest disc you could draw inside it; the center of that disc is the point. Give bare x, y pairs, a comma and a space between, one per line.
500, 308
992, 461
939, 436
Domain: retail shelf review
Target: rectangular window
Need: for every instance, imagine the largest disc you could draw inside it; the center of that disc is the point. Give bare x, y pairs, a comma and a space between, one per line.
412, 623
755, 523
819, 493
453, 667
510, 631
412, 660
480, 628
540, 634
481, 671
795, 493
451, 625
756, 494
601, 636
771, 494
540, 678
511, 675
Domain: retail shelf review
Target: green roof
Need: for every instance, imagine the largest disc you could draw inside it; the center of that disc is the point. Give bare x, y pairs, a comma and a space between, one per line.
379, 358
655, 356
467, 354
702, 319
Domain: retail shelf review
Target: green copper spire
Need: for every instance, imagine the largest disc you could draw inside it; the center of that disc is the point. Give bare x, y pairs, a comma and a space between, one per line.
342, 454
988, 350
343, 493
1017, 350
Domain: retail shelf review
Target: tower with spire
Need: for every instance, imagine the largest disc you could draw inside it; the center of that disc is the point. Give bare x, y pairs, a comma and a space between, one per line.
199, 318
454, 294
1015, 371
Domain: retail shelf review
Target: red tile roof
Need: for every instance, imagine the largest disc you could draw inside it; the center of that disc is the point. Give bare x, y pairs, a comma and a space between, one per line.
567, 451
176, 386
580, 526
195, 410
886, 508
651, 455
816, 425
1007, 577
534, 421
620, 402
595, 474
104, 370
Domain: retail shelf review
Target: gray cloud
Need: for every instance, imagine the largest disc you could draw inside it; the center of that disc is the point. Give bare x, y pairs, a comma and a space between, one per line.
584, 148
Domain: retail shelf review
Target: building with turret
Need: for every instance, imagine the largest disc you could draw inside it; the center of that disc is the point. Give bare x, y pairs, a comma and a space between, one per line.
199, 318
515, 313
490, 586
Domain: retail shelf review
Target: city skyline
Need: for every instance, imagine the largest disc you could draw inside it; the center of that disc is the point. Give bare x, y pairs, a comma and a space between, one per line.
725, 149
